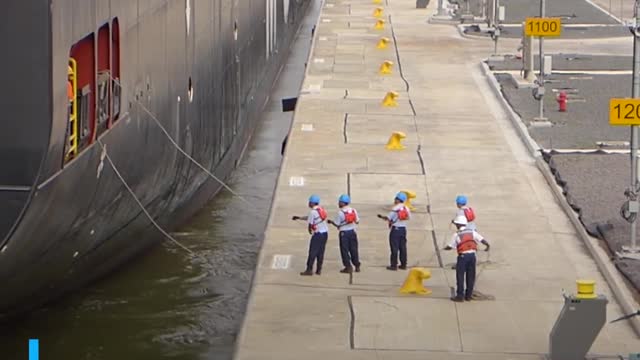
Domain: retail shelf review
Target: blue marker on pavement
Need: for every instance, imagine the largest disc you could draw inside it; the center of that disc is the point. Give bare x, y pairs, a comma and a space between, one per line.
33, 349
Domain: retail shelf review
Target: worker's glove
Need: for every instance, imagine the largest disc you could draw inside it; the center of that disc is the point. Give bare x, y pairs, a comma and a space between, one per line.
487, 247
295, 218
380, 216
447, 247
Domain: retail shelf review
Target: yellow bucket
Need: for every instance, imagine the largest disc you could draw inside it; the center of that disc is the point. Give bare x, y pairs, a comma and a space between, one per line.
586, 289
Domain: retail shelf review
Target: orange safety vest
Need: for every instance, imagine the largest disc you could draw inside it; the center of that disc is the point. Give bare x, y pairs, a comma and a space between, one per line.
467, 241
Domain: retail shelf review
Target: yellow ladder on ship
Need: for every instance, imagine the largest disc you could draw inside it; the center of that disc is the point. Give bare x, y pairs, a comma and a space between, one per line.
72, 140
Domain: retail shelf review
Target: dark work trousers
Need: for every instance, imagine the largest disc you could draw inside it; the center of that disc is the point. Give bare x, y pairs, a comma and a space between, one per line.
465, 267
398, 244
349, 248
316, 250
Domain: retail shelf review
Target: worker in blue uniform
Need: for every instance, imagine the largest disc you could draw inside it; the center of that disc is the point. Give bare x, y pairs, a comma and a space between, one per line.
463, 209
465, 241
346, 222
317, 227
397, 220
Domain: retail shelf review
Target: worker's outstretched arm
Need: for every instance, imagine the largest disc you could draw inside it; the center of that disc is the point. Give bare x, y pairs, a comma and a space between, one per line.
300, 218
486, 244
333, 223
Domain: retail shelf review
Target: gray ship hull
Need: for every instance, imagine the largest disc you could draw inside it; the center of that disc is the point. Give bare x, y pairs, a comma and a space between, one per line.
202, 69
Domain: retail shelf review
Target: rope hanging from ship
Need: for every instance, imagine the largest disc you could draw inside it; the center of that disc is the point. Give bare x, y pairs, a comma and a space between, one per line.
194, 161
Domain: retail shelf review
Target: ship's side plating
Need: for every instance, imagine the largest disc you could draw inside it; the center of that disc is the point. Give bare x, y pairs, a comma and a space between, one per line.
202, 69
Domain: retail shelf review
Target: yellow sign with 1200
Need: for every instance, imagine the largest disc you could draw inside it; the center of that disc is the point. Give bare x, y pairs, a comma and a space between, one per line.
624, 112
543, 27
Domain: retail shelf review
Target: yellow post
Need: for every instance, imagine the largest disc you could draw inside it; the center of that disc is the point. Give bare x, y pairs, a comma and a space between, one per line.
379, 24
395, 141
586, 289
390, 99
377, 1
413, 282
382, 44
410, 195
378, 12
385, 68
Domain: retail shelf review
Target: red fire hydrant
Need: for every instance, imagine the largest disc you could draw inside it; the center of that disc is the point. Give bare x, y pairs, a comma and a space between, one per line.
562, 101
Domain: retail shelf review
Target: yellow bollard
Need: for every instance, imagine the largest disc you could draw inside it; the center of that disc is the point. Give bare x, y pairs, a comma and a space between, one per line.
410, 195
378, 12
379, 24
385, 68
390, 99
413, 282
586, 289
395, 141
377, 1
382, 44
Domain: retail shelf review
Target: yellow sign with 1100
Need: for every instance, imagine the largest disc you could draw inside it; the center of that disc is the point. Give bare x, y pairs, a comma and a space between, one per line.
624, 112
542, 27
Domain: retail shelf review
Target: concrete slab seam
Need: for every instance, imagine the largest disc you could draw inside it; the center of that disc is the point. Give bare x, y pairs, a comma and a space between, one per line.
516, 121
435, 244
344, 128
261, 254
352, 325
419, 151
603, 263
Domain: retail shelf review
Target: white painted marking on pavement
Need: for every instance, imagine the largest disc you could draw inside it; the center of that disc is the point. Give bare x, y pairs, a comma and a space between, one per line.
326, 20
318, 60
322, 38
281, 262
307, 127
296, 181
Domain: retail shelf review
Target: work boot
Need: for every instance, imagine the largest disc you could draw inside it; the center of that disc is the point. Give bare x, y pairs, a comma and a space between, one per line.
357, 268
306, 273
402, 267
392, 268
457, 299
467, 298
346, 271
318, 272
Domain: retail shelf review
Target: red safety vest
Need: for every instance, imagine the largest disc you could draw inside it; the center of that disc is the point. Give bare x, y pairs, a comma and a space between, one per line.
322, 213
466, 241
403, 213
350, 216
469, 214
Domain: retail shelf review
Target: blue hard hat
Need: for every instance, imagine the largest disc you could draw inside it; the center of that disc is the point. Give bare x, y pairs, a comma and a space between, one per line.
461, 200
401, 196
314, 199
344, 198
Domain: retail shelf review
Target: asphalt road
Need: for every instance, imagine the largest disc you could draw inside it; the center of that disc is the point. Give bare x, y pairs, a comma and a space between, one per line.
565, 62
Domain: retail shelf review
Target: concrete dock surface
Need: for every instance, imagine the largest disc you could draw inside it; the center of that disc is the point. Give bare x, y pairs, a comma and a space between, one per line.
457, 141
